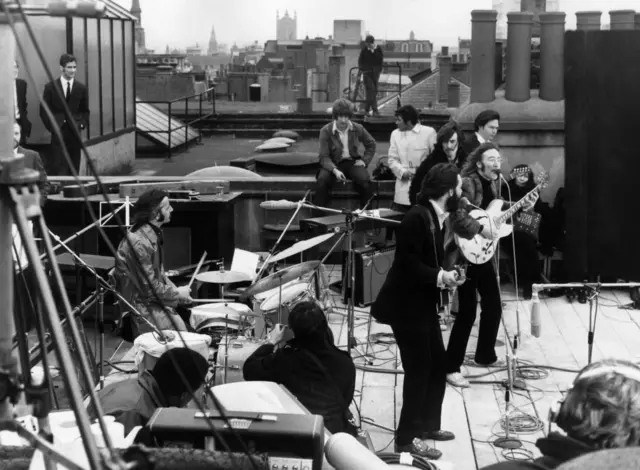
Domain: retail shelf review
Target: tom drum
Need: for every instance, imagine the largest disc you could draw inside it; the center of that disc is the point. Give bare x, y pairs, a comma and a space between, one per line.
239, 350
148, 349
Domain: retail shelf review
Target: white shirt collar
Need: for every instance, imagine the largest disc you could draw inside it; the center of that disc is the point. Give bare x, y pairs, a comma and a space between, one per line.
335, 126
442, 215
480, 138
417, 128
64, 82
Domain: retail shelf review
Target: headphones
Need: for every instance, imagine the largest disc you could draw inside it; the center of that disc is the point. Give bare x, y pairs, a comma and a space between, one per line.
628, 371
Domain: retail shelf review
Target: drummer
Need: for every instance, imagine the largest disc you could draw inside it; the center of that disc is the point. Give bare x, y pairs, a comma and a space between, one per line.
151, 212
310, 366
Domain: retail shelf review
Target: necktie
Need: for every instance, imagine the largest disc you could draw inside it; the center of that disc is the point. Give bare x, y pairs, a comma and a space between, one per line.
15, 102
68, 90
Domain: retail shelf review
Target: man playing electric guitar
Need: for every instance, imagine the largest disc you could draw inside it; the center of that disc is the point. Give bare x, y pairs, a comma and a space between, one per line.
480, 186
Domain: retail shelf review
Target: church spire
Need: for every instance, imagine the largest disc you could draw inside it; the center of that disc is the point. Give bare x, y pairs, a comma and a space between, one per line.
136, 10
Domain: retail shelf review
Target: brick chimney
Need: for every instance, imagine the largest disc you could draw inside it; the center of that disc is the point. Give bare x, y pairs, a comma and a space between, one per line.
444, 51
588, 20
444, 67
453, 95
519, 27
483, 59
552, 56
622, 19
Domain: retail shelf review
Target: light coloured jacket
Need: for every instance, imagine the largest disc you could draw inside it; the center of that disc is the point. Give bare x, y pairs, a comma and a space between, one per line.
131, 283
406, 151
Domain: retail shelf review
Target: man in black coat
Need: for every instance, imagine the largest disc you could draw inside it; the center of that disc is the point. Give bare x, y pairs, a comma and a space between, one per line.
370, 62
408, 302
21, 105
485, 126
448, 149
56, 93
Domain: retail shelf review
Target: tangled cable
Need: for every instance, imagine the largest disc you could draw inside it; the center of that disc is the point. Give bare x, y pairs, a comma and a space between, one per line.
407, 459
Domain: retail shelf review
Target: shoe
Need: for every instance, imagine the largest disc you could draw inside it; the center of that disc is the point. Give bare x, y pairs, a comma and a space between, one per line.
438, 435
420, 447
499, 363
457, 380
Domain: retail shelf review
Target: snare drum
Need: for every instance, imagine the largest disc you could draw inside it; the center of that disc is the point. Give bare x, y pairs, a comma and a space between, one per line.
239, 350
148, 349
291, 295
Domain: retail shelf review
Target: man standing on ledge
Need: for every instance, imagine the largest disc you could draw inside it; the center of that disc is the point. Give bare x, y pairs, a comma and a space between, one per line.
339, 157
76, 97
370, 63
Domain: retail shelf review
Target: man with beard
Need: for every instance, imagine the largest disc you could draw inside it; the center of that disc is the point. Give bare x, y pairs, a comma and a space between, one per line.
339, 157
409, 145
480, 186
139, 271
448, 149
486, 127
408, 302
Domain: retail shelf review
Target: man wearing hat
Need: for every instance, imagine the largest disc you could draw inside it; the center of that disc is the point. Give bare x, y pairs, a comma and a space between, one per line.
139, 271
370, 63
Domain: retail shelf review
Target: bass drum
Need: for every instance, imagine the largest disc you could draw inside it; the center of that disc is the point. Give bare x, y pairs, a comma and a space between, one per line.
239, 350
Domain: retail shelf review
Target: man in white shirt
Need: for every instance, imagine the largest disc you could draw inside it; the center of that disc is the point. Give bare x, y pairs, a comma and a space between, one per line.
410, 144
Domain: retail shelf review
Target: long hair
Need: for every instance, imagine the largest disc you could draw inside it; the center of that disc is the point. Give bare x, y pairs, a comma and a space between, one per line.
342, 107
446, 132
471, 166
145, 209
191, 363
309, 325
602, 409
441, 179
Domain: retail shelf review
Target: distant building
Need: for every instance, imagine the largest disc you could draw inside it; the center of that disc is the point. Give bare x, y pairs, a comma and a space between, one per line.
140, 41
194, 50
214, 47
286, 27
347, 31
413, 55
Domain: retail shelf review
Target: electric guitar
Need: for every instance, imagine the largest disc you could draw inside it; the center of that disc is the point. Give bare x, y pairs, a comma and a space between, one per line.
479, 249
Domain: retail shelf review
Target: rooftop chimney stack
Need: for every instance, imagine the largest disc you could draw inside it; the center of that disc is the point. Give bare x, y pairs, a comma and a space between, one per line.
622, 19
453, 95
483, 59
552, 56
444, 65
588, 20
519, 28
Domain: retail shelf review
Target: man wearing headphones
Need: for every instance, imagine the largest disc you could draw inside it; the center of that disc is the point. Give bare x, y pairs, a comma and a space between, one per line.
600, 411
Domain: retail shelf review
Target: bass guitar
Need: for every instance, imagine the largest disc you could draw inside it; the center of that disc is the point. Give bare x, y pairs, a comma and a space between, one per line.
479, 249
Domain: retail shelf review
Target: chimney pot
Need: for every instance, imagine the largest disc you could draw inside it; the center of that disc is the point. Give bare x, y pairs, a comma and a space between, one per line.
444, 66
483, 39
552, 56
588, 20
622, 19
519, 29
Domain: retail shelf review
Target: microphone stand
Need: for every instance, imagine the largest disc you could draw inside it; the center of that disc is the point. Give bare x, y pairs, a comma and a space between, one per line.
593, 316
301, 203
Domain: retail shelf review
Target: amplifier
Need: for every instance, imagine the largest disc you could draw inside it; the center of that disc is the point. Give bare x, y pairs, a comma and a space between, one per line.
371, 265
290, 440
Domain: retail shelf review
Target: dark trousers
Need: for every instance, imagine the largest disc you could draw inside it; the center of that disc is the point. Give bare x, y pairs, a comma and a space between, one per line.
25, 298
423, 359
371, 92
326, 179
527, 261
480, 278
60, 166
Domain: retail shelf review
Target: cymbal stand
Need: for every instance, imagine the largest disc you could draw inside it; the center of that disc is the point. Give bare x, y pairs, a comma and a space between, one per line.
273, 250
593, 317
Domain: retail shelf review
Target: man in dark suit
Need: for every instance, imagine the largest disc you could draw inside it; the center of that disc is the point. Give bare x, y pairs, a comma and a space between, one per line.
67, 90
486, 127
370, 62
20, 104
408, 302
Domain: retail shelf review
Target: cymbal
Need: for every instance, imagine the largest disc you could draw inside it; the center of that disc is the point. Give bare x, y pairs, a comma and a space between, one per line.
222, 277
232, 313
281, 277
301, 246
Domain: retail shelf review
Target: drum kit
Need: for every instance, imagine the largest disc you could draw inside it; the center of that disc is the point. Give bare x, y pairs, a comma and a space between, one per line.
239, 330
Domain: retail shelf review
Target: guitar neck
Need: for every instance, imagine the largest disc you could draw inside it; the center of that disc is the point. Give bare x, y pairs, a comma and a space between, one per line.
517, 206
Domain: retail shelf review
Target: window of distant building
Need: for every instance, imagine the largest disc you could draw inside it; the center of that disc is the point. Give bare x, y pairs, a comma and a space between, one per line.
405, 47
419, 47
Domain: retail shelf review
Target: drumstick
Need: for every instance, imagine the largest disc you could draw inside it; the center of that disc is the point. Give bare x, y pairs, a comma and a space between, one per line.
195, 273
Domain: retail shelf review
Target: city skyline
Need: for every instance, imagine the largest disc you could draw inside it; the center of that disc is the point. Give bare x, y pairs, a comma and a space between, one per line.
428, 20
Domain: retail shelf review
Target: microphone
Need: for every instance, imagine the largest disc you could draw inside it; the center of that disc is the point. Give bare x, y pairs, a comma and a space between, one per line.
536, 323
281, 204
344, 452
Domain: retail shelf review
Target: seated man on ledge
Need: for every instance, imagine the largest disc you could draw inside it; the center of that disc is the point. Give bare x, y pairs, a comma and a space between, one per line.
139, 270
339, 157
133, 402
310, 366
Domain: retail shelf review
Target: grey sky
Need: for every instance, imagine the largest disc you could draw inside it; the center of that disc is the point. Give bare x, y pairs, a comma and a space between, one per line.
184, 23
